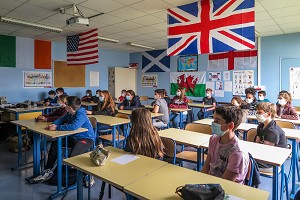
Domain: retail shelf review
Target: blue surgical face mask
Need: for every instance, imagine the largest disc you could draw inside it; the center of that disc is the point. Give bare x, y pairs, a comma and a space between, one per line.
101, 98
51, 96
128, 98
216, 129
97, 95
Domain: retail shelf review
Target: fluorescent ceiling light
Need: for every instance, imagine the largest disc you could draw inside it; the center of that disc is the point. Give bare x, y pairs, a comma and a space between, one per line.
108, 39
29, 24
140, 45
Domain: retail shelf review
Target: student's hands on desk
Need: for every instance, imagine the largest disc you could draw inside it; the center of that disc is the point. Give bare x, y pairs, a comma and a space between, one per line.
51, 127
41, 118
121, 108
89, 112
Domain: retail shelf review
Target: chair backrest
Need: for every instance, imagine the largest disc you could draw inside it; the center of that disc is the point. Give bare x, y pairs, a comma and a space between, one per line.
200, 128
122, 115
251, 135
285, 124
170, 148
297, 108
190, 101
144, 98
93, 122
253, 176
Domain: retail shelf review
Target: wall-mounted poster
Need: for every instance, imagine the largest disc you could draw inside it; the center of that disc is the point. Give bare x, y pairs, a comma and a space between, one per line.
219, 85
226, 75
295, 82
33, 79
187, 63
214, 76
149, 80
242, 79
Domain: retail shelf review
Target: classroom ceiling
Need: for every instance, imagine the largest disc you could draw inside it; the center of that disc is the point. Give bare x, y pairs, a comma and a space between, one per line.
138, 21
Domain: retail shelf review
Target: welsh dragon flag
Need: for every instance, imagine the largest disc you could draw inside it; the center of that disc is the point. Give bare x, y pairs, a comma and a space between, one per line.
193, 82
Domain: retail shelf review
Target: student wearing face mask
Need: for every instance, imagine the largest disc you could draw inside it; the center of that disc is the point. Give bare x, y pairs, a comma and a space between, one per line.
95, 99
88, 97
268, 132
130, 102
178, 101
208, 100
251, 100
50, 99
123, 96
238, 102
56, 114
285, 109
160, 106
262, 96
225, 158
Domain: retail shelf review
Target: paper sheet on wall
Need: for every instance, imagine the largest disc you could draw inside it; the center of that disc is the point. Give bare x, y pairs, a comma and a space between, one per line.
122, 160
219, 93
219, 85
228, 86
226, 75
242, 79
94, 79
295, 82
210, 85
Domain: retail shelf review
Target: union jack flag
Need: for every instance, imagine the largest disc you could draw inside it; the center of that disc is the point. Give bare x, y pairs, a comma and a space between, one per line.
210, 26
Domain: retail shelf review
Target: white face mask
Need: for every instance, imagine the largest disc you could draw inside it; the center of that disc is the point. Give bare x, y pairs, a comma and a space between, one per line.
261, 98
123, 94
249, 100
261, 118
87, 94
97, 95
208, 94
282, 102
178, 93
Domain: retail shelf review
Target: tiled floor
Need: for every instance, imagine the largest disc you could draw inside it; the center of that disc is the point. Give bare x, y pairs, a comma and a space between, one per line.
13, 185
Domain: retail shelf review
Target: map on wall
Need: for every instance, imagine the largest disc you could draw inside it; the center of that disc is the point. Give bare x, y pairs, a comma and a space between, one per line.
187, 63
295, 82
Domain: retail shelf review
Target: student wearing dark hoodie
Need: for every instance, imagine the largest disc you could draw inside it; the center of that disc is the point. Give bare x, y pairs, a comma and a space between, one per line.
285, 109
251, 100
131, 101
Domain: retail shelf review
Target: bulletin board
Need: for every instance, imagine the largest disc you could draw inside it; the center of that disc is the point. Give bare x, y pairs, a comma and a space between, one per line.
68, 75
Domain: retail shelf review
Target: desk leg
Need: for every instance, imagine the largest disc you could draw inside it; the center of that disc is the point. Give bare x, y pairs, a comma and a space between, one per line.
245, 135
181, 120
294, 163
204, 112
59, 164
114, 136
199, 160
275, 183
36, 154
79, 185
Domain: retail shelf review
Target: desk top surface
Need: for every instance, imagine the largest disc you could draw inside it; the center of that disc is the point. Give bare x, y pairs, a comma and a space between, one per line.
109, 120
39, 127
116, 174
128, 112
199, 105
179, 109
253, 117
164, 181
84, 103
185, 137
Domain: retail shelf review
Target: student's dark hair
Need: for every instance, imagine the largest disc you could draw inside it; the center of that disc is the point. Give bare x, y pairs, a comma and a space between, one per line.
250, 90
89, 92
63, 98
208, 89
230, 114
123, 91
74, 102
160, 92
60, 89
165, 92
262, 92
51, 92
131, 92
98, 91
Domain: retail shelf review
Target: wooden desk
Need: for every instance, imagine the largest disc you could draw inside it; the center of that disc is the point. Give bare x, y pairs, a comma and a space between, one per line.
298, 112
189, 138
128, 112
206, 121
296, 122
200, 105
113, 173
149, 107
180, 111
84, 103
39, 129
162, 184
112, 122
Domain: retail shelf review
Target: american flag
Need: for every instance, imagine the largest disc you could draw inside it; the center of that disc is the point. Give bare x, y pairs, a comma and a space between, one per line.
82, 49
210, 26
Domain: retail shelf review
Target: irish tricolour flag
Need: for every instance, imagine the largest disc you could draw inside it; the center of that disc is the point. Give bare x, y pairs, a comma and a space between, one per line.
193, 82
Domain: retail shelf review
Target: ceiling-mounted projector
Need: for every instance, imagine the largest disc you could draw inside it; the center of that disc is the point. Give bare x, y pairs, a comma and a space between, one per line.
78, 20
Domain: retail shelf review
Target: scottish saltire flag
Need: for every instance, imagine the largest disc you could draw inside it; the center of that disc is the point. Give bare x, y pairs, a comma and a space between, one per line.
210, 26
232, 60
155, 61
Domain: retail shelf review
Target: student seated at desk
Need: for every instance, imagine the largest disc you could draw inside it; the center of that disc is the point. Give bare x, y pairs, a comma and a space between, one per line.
160, 106
56, 114
251, 100
225, 158
208, 100
262, 96
238, 102
95, 98
131, 102
268, 132
165, 96
106, 106
285, 109
79, 143
178, 101
143, 137
50, 99
88, 96
59, 91
123, 96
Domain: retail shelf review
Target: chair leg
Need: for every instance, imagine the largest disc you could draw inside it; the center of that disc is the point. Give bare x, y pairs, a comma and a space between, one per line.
109, 191
286, 186
101, 194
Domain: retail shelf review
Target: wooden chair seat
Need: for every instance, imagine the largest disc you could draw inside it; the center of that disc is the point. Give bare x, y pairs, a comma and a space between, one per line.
266, 174
190, 156
109, 137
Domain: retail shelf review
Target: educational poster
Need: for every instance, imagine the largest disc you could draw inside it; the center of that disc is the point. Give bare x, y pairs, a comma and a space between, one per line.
295, 82
94, 79
33, 79
214, 76
242, 79
211, 85
226, 75
228, 86
219, 85
149, 80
